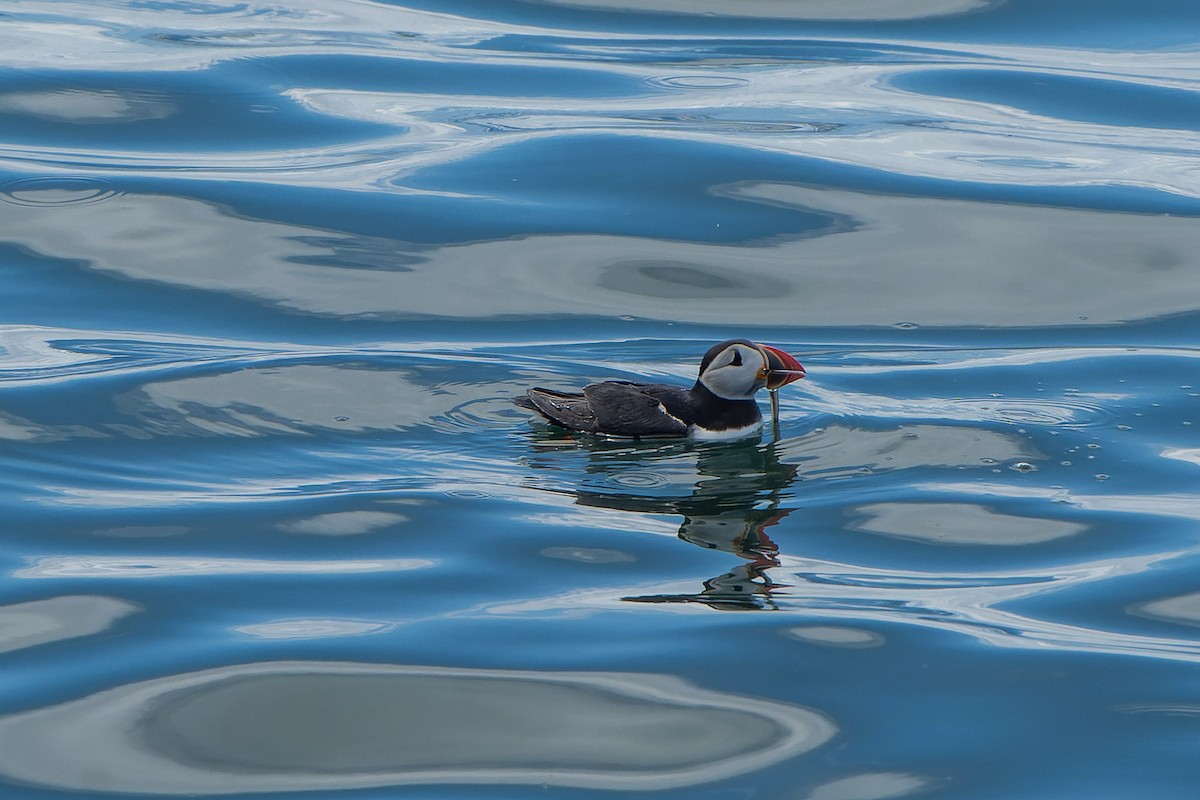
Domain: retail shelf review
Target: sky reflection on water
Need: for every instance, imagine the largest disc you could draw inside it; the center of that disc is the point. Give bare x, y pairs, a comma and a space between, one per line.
274, 271
1139, 266
290, 726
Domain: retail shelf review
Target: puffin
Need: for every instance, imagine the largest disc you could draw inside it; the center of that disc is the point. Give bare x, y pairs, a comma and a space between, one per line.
720, 405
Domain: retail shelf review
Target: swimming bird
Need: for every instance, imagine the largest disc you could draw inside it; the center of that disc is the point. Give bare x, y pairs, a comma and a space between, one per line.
720, 405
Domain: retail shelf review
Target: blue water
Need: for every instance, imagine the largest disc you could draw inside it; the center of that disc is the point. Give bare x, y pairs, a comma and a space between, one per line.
273, 271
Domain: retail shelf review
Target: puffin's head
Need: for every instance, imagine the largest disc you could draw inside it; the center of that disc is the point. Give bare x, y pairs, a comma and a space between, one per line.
738, 368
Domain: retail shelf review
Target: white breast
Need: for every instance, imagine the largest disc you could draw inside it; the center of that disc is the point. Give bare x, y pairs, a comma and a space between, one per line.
704, 434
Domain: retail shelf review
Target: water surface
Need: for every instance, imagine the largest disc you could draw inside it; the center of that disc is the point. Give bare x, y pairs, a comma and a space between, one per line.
274, 271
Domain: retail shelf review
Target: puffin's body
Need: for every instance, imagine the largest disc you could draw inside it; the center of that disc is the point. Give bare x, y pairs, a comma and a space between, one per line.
720, 405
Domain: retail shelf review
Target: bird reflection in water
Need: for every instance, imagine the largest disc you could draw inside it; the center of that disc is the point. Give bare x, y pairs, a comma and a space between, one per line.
728, 494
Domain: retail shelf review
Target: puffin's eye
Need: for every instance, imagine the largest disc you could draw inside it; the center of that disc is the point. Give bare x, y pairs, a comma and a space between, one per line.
737, 358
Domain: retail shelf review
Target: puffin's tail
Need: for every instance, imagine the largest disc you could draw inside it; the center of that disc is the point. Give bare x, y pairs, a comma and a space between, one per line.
565, 409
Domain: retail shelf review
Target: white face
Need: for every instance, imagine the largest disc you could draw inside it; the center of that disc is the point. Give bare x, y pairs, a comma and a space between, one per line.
736, 373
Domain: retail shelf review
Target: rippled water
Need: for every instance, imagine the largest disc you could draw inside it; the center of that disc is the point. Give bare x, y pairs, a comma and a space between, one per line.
273, 272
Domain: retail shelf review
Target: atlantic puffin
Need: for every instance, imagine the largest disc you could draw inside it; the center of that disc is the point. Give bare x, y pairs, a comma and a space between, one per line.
720, 405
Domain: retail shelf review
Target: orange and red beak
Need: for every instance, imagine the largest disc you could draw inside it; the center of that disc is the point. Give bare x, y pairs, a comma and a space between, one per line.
782, 369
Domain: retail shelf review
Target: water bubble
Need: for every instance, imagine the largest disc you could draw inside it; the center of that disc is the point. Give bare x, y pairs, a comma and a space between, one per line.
57, 191
1101, 476
906, 326
638, 479
1039, 412
468, 494
1023, 466
472, 415
1124, 427
701, 81
1065, 463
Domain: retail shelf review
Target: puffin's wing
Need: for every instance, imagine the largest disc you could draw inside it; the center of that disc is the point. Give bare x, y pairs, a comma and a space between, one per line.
568, 410
623, 409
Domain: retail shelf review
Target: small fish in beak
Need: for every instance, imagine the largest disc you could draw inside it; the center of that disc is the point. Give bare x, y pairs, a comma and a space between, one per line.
782, 368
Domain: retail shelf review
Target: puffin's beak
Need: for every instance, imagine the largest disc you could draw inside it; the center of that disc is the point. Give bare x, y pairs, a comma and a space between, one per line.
782, 369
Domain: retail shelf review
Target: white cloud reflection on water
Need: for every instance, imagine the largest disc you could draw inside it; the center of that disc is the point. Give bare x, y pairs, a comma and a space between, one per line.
57, 618
308, 399
314, 628
959, 524
289, 726
344, 523
77, 106
836, 636
1182, 505
844, 450
790, 98
115, 35
156, 566
873, 786
814, 10
841, 112
904, 261
1183, 609
296, 398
